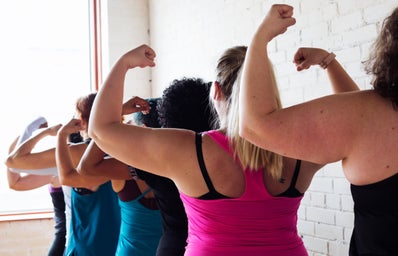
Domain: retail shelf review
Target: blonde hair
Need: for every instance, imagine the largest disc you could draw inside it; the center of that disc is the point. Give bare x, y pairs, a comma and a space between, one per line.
249, 155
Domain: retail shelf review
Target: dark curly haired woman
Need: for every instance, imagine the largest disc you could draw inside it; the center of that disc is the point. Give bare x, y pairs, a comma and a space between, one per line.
184, 104
359, 128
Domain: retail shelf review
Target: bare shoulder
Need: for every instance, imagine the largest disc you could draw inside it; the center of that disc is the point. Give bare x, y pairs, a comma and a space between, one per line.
376, 139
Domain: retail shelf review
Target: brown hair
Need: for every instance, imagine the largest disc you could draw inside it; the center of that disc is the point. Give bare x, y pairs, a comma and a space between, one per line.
84, 105
383, 60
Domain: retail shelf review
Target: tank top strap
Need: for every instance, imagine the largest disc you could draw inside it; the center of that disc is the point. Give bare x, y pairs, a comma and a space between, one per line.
295, 174
144, 193
199, 153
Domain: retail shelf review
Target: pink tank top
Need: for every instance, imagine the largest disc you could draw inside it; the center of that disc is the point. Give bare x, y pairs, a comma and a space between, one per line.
254, 224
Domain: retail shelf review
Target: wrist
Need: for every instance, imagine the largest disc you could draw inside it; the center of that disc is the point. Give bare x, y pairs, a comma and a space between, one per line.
327, 60
63, 134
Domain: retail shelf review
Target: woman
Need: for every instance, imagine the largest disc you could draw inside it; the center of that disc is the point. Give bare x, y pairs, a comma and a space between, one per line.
95, 215
95, 205
184, 104
227, 195
141, 226
358, 128
20, 182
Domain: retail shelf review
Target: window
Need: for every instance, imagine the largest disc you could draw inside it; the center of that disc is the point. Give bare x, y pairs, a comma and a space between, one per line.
45, 65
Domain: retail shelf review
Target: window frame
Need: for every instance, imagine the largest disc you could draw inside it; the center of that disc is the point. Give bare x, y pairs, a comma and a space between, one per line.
95, 66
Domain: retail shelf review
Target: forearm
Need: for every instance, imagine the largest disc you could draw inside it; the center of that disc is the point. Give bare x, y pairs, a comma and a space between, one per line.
63, 159
257, 96
92, 157
340, 80
94, 163
68, 174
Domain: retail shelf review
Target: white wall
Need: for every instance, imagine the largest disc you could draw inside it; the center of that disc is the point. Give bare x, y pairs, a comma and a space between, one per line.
189, 36
125, 25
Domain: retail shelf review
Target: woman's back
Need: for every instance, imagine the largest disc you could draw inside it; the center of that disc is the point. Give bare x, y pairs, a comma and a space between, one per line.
141, 226
253, 223
95, 222
376, 220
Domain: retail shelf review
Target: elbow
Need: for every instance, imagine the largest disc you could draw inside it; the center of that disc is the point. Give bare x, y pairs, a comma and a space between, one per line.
61, 179
13, 186
10, 162
83, 170
94, 131
244, 128
91, 133
248, 131
244, 131
95, 134
100, 133
66, 180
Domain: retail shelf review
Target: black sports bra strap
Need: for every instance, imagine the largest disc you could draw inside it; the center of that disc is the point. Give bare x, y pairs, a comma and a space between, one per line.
295, 174
199, 154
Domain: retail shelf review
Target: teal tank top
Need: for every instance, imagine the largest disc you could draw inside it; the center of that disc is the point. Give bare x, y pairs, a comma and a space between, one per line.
95, 222
140, 230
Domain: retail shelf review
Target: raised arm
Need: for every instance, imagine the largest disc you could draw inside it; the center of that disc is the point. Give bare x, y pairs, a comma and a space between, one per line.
27, 182
67, 172
159, 151
305, 131
340, 80
95, 163
23, 158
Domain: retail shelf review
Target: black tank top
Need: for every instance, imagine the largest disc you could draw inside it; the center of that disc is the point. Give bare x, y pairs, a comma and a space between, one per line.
376, 218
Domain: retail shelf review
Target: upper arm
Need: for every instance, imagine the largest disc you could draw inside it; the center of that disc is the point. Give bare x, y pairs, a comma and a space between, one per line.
165, 152
74, 179
38, 160
94, 162
109, 167
316, 131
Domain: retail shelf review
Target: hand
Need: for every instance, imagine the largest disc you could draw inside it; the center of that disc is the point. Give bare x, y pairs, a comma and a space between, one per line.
43, 125
142, 56
134, 105
38, 123
73, 126
278, 19
53, 130
304, 58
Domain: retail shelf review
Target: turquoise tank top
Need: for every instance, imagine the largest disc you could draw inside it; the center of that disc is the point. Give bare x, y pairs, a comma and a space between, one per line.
140, 230
95, 222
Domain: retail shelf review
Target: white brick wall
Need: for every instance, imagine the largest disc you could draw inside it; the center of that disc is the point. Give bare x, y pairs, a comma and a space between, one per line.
189, 36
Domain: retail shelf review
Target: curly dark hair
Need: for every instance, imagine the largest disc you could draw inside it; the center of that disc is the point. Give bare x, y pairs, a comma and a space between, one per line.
383, 60
150, 119
185, 105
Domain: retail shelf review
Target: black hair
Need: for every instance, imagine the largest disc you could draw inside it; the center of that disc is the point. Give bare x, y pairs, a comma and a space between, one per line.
185, 104
150, 119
